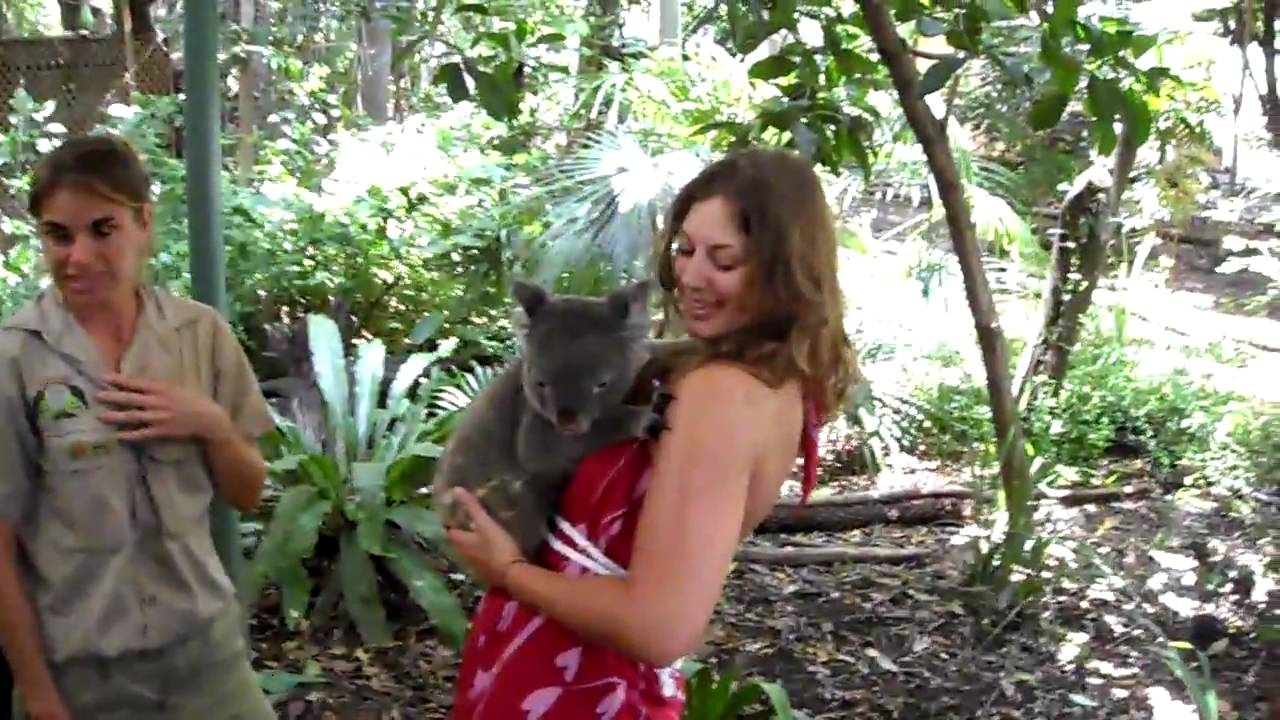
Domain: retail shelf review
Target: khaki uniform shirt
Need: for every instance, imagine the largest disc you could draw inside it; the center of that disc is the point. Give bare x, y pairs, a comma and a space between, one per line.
114, 537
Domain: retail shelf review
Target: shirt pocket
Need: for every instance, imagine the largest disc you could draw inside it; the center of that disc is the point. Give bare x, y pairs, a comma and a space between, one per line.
87, 491
181, 486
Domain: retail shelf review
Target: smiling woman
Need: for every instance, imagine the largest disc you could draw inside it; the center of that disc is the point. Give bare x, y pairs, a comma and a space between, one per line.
593, 626
122, 410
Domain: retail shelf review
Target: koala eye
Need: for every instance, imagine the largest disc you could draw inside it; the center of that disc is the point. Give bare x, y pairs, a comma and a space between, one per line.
542, 384
602, 385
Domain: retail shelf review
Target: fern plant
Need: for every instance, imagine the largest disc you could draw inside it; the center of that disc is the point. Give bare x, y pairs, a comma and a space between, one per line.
355, 485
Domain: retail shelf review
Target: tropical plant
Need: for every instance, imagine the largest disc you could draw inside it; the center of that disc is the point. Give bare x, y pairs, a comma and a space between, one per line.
724, 695
357, 484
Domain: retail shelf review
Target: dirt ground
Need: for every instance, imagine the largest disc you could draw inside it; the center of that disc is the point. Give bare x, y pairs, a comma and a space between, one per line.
866, 640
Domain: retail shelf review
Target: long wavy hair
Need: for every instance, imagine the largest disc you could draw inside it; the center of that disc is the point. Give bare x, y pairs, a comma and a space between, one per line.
791, 274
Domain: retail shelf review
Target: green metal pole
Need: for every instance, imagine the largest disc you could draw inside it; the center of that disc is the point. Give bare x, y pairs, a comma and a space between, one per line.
203, 151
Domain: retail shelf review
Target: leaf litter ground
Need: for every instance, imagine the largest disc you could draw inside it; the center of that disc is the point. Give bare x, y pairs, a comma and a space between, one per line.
908, 641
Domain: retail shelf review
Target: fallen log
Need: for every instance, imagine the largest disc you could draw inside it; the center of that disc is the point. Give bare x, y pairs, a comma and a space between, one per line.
838, 513
1085, 496
833, 516
830, 554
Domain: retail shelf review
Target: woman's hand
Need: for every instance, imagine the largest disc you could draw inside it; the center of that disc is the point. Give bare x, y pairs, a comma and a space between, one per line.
488, 549
48, 707
160, 410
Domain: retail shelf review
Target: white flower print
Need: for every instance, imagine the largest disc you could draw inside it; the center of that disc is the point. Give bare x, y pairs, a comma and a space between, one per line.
568, 662
612, 703
508, 614
483, 681
539, 702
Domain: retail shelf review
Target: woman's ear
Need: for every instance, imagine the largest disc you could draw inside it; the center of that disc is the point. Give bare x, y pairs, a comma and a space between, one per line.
146, 216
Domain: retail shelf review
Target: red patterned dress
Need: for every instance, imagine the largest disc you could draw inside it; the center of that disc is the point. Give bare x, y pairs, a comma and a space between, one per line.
518, 664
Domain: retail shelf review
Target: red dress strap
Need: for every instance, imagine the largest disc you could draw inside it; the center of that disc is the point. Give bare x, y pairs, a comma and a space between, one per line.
809, 447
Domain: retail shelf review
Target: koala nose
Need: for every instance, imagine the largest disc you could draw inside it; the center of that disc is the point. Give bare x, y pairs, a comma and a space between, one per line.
566, 416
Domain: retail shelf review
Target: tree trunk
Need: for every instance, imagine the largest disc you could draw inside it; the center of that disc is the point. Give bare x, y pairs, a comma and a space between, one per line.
6, 27
669, 22
375, 64
247, 111
1080, 249
1244, 34
931, 134
1271, 103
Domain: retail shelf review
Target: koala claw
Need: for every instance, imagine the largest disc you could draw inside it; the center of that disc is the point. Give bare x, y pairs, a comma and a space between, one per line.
656, 423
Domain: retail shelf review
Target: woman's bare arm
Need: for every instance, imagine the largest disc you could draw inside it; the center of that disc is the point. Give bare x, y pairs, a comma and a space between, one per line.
238, 470
688, 531
20, 631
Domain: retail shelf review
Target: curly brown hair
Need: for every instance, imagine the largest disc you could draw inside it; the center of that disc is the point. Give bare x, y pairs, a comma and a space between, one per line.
791, 273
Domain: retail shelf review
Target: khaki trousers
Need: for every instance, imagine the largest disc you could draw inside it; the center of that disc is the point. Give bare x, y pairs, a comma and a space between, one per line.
206, 676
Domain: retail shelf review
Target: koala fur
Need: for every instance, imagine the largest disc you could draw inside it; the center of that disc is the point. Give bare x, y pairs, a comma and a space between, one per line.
519, 441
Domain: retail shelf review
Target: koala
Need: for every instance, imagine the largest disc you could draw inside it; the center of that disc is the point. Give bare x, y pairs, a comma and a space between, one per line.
568, 394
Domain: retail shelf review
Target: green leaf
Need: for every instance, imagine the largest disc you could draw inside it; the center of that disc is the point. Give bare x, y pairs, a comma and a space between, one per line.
1141, 44
276, 682
774, 66
782, 15
1137, 115
369, 479
371, 358
330, 363
422, 522
1104, 101
294, 528
295, 590
999, 10
1047, 109
778, 699
497, 95
549, 38
452, 76
424, 449
429, 591
936, 77
475, 8
930, 26
425, 329
906, 10
360, 592
371, 533
1064, 15
1105, 98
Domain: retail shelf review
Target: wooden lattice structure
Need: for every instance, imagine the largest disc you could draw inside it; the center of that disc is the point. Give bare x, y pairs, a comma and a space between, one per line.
82, 73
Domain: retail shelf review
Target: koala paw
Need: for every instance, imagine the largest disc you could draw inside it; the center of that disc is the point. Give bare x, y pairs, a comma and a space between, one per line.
656, 422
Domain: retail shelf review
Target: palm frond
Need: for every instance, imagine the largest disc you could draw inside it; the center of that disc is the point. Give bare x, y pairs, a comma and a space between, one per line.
454, 393
605, 201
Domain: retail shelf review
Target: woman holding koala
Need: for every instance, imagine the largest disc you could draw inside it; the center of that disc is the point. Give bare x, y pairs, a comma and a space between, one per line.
628, 581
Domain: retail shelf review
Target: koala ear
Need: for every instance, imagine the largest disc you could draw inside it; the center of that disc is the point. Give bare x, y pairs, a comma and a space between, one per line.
631, 303
531, 296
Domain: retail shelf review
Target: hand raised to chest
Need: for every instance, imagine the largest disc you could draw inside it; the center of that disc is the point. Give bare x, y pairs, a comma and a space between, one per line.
158, 410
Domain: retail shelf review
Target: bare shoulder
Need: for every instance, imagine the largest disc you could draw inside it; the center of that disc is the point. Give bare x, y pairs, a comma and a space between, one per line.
720, 394
725, 381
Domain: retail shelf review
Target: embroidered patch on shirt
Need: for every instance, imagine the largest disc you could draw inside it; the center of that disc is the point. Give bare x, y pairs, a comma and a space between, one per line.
58, 401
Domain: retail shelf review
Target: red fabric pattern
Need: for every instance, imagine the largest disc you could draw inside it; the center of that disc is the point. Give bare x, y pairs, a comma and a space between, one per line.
518, 664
